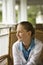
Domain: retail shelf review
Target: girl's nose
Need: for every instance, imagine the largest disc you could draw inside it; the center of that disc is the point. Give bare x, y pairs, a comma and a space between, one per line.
18, 36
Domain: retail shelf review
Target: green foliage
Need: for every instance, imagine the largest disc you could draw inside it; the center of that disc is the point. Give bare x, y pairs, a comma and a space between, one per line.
32, 13
0, 16
16, 15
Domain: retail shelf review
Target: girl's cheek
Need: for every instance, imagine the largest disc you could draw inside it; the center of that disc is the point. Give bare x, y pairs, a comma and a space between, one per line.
19, 34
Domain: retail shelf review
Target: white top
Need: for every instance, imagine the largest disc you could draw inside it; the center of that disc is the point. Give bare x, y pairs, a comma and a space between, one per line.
18, 56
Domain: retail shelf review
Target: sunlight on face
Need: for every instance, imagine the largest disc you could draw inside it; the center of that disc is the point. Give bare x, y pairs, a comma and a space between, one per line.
22, 34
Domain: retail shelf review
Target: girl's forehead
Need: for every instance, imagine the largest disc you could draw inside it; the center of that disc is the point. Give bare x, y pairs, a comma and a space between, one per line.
20, 26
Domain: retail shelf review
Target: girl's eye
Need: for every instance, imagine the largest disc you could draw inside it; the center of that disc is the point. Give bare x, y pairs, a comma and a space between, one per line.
20, 31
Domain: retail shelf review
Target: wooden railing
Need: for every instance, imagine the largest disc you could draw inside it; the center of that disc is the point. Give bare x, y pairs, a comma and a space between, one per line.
12, 39
4, 57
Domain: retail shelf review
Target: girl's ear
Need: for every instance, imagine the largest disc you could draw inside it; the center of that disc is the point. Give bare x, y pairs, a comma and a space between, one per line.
29, 33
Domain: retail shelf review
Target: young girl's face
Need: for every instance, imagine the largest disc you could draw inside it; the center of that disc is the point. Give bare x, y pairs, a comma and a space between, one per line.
22, 33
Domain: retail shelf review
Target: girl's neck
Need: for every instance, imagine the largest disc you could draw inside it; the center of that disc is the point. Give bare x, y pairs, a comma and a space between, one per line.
27, 44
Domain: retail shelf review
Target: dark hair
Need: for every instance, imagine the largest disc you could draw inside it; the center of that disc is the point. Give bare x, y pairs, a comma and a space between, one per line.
28, 26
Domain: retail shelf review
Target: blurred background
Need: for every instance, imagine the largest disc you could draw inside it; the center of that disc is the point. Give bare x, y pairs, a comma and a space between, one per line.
13, 12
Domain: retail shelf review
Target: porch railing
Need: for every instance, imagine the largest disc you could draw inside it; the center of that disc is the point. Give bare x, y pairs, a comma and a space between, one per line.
7, 37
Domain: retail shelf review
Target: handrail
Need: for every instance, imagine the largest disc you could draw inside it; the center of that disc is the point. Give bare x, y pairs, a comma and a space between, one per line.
11, 30
9, 60
7, 28
3, 57
4, 27
3, 35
